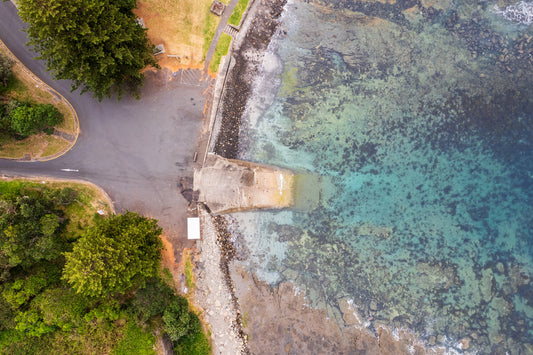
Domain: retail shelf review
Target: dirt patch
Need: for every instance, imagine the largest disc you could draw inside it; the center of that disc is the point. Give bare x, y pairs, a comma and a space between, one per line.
248, 56
169, 261
182, 27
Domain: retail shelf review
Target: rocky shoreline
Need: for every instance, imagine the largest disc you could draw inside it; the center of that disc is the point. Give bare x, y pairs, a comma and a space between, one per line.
248, 53
214, 293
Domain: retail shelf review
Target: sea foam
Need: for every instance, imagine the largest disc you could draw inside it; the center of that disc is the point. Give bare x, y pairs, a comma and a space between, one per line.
521, 12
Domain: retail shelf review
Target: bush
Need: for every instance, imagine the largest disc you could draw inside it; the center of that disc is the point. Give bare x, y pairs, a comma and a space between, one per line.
177, 319
152, 299
31, 119
195, 342
6, 65
135, 341
5, 115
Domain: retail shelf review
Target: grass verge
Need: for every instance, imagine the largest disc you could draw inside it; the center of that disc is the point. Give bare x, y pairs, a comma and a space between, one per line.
189, 275
220, 51
238, 11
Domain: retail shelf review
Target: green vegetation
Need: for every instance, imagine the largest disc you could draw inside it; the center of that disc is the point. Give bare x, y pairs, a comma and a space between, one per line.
48, 238
189, 277
238, 11
210, 27
6, 71
22, 119
220, 51
26, 111
114, 256
135, 341
29, 119
95, 43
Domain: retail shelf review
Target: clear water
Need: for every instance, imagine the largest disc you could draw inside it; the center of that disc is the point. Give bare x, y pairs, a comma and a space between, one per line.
420, 121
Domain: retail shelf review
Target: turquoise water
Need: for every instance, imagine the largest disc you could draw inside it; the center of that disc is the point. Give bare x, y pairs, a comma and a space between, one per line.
419, 118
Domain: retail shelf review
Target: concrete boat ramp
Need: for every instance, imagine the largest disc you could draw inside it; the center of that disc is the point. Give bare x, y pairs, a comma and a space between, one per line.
227, 185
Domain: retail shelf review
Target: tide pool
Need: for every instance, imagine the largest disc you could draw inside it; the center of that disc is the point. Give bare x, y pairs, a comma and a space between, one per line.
419, 118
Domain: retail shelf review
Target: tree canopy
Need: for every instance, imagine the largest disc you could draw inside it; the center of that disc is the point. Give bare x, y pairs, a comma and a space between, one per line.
114, 256
95, 43
40, 313
28, 226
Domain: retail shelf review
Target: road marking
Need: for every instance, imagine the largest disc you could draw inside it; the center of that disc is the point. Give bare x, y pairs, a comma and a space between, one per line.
74, 170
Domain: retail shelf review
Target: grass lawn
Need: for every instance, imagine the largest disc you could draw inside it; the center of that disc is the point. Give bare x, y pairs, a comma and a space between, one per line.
184, 27
221, 50
38, 145
24, 88
238, 11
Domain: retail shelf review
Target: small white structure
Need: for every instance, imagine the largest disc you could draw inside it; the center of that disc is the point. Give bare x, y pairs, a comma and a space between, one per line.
193, 228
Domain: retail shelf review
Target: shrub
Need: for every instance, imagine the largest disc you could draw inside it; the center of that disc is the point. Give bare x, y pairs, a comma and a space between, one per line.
195, 342
31, 119
6, 65
135, 341
152, 299
177, 319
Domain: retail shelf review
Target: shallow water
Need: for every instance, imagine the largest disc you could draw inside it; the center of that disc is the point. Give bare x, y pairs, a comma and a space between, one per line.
419, 118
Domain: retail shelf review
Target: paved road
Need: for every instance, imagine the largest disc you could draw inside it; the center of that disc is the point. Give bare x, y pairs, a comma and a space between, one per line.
137, 150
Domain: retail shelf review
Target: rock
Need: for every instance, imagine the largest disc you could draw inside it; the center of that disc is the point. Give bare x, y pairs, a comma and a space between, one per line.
496, 338
440, 339
486, 285
465, 343
373, 305
349, 313
432, 340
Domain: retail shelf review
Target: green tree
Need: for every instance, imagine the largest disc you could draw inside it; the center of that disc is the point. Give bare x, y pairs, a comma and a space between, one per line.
114, 256
61, 307
31, 119
177, 319
5, 69
29, 230
95, 43
152, 299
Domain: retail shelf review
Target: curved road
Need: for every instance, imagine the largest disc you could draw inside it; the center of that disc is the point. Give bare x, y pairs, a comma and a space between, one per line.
137, 150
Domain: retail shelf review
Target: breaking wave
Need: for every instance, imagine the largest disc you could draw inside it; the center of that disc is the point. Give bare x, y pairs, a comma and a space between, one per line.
521, 12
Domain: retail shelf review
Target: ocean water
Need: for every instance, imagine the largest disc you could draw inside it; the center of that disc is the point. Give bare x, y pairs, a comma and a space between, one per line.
418, 117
